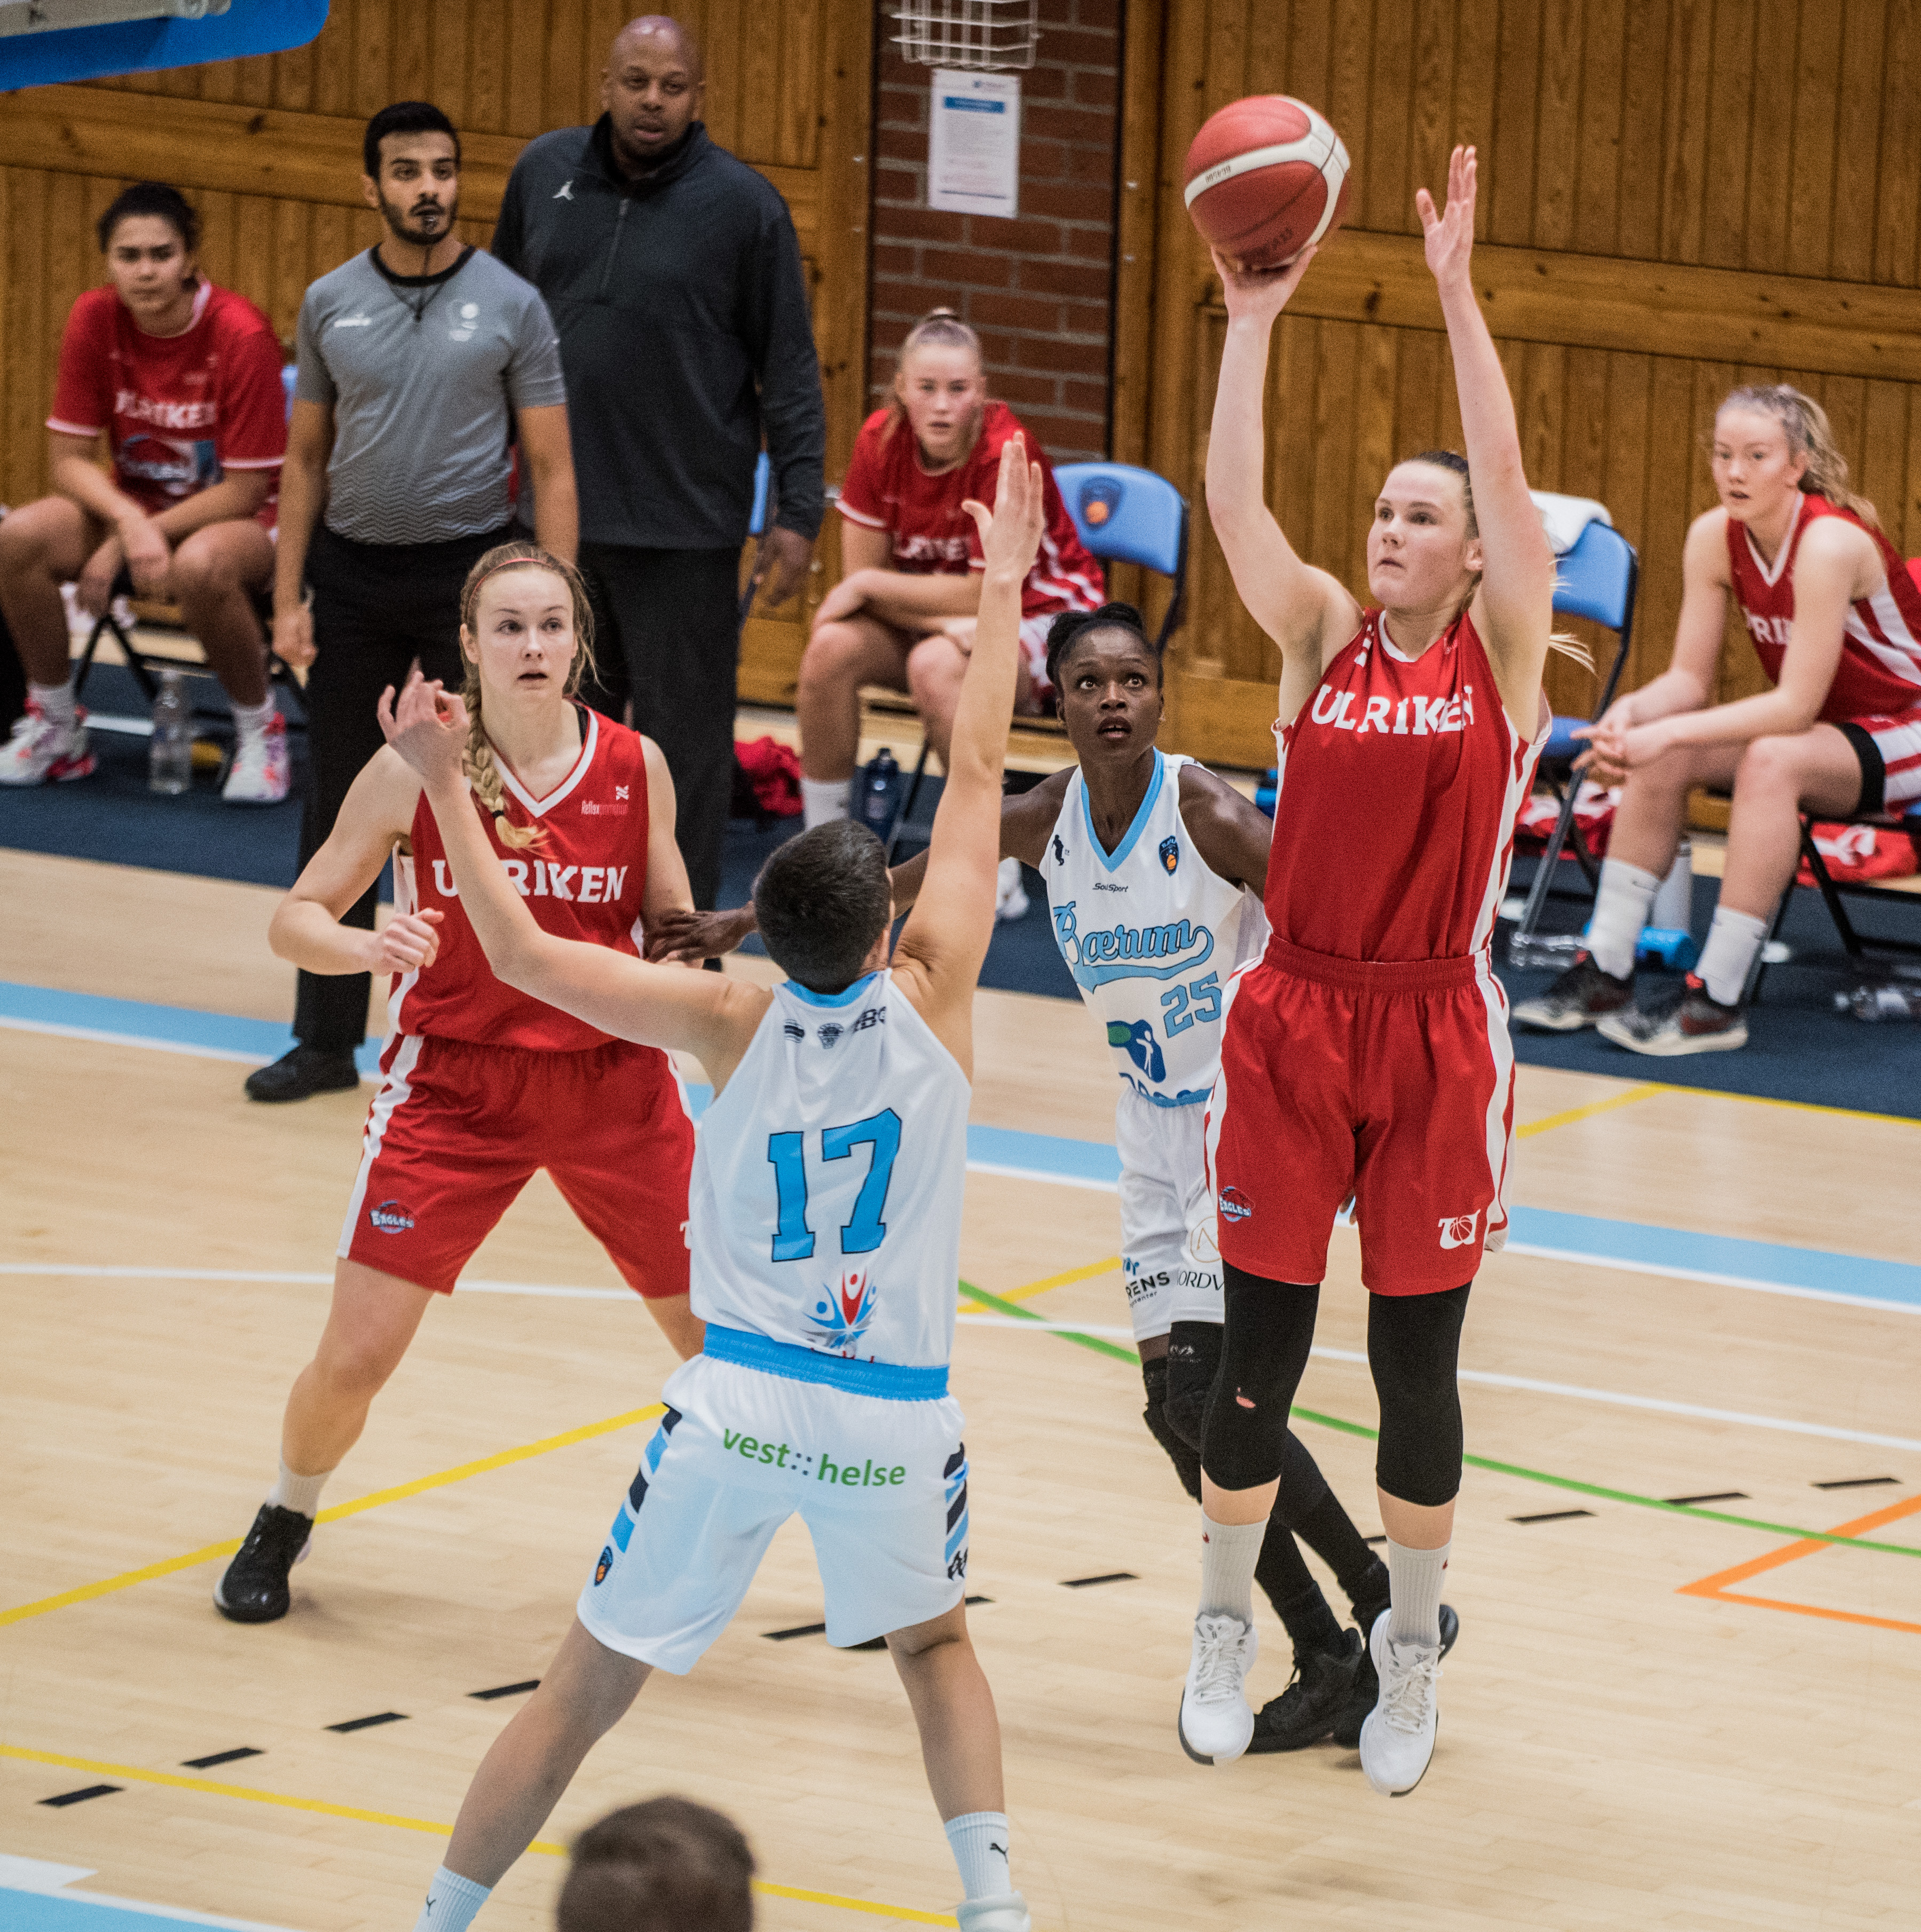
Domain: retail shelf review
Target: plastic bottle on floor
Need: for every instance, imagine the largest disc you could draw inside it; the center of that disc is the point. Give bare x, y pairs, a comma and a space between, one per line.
1881, 1002
880, 783
170, 750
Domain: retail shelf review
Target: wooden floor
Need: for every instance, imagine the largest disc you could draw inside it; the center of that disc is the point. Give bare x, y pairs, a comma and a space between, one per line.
1616, 1751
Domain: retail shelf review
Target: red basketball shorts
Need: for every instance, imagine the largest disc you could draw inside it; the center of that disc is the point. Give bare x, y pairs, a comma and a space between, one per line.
456, 1130
1392, 1083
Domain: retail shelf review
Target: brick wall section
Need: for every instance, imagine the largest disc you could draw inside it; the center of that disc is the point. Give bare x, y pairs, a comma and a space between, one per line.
1038, 289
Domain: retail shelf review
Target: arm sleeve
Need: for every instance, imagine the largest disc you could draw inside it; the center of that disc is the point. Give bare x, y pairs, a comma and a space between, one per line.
534, 380
780, 336
510, 225
81, 405
312, 382
861, 501
253, 404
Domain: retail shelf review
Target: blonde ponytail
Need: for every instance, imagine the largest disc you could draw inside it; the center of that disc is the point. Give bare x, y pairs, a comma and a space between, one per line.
483, 772
1809, 434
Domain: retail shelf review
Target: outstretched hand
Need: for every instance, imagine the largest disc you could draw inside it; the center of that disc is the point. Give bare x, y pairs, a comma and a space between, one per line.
1010, 532
1259, 294
1450, 234
428, 728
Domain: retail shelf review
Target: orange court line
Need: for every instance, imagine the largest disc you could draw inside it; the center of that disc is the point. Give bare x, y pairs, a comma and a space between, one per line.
1716, 1588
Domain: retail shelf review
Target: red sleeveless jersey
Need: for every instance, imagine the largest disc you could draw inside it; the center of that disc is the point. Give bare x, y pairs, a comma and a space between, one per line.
1394, 821
1880, 671
584, 878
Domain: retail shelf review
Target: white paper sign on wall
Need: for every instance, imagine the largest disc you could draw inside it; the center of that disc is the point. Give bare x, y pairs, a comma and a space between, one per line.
974, 142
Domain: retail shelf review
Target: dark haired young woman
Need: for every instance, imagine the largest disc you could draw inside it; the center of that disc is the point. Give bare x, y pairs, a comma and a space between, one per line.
482, 1084
1154, 869
183, 379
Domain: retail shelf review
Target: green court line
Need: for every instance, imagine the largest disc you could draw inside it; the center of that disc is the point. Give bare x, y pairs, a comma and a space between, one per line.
1515, 1469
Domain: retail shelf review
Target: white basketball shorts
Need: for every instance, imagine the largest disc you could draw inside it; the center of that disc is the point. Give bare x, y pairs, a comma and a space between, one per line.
1169, 1258
880, 1484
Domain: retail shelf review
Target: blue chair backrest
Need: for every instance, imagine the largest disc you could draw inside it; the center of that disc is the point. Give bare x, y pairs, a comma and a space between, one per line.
1126, 515
1596, 578
757, 520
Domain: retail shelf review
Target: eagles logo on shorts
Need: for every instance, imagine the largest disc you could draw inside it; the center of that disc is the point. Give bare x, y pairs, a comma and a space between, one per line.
392, 1217
605, 1564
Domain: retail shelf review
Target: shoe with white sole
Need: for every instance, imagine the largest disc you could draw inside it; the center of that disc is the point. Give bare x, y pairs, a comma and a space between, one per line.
39, 751
1216, 1721
1397, 1740
261, 771
1007, 1913
1010, 895
1690, 1021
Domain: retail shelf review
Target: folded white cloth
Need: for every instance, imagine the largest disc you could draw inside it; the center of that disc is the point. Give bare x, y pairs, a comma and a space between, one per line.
1565, 517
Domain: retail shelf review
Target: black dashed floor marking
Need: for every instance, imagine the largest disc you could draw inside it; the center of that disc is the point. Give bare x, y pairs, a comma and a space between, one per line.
81, 1796
220, 1757
1860, 1483
1550, 1515
505, 1690
1719, 1496
1374, 1542
1112, 1576
367, 1723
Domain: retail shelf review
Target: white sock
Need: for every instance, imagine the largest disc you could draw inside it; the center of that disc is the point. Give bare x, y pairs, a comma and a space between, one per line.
250, 720
451, 1902
1229, 1553
1733, 941
55, 700
1621, 908
823, 800
301, 1493
1414, 1579
979, 1841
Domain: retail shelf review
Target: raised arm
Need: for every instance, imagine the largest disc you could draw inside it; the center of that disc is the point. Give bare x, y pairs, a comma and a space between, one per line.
1300, 607
1514, 609
945, 938
710, 1016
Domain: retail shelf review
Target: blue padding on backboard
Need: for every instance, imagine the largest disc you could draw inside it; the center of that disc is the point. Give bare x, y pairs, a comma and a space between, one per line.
139, 46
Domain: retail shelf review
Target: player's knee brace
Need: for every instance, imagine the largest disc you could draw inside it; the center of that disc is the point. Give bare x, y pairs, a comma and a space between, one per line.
1414, 1350
1184, 1455
1264, 1340
1193, 1356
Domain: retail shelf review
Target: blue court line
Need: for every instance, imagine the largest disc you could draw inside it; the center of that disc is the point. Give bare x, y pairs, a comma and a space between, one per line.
52, 1912
1587, 1240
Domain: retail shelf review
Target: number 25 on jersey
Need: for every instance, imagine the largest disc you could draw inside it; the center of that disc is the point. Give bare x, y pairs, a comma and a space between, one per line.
864, 1229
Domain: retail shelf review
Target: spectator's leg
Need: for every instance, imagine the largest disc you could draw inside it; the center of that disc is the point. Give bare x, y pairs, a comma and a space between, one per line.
1817, 770
935, 667
214, 573
679, 614
840, 657
43, 545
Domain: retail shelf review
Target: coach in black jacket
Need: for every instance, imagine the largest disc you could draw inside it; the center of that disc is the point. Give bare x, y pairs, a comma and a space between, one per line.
673, 278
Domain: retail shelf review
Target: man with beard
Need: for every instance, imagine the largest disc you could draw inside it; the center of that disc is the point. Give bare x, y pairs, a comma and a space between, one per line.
421, 363
676, 283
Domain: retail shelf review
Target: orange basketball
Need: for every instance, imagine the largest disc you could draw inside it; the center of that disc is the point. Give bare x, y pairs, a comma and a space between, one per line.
1266, 176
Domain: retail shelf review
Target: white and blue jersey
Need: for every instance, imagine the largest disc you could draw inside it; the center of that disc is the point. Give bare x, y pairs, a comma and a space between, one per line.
1151, 935
823, 1220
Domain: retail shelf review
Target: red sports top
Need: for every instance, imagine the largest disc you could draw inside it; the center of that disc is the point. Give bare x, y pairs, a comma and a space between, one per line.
585, 879
1879, 672
179, 411
1394, 822
887, 490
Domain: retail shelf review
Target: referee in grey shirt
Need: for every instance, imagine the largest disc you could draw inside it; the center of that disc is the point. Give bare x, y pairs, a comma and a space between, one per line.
421, 363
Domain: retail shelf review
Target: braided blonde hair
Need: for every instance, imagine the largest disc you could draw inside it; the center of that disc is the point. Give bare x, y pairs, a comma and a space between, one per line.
1809, 434
483, 773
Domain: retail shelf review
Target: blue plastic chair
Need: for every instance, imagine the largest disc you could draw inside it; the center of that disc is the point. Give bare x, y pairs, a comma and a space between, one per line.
757, 523
1126, 515
1596, 580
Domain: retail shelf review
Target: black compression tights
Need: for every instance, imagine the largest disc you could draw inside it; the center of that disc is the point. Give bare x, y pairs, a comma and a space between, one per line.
1413, 1347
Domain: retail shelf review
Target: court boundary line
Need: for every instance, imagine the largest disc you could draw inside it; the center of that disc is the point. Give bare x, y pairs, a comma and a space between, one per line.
1646, 1090
213, 1787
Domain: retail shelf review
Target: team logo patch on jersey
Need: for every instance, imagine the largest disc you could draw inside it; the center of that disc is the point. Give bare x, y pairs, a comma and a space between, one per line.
831, 1032
392, 1217
792, 1030
1458, 1231
1170, 852
845, 1310
605, 1564
1135, 1039
1234, 1204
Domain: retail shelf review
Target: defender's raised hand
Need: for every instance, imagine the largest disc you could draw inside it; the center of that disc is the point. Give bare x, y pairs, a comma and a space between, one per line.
1010, 532
1450, 234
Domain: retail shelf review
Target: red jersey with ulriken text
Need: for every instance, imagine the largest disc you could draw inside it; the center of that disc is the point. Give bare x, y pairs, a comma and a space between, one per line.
1394, 811
1879, 672
585, 878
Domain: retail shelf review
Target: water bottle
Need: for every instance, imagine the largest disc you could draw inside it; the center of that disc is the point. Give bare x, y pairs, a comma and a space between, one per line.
170, 750
1880, 1003
880, 783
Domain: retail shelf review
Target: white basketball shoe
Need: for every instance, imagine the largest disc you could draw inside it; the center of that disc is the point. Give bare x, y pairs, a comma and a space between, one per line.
1007, 1913
39, 751
1216, 1721
1397, 1739
262, 770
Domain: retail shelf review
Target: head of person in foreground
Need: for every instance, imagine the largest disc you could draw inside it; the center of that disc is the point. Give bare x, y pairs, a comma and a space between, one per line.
668, 1865
1423, 545
823, 906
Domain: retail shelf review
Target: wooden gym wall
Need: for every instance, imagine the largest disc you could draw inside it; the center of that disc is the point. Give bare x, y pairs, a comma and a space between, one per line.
1676, 195
269, 150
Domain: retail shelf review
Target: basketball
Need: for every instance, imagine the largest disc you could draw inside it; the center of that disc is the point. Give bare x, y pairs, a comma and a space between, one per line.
1266, 176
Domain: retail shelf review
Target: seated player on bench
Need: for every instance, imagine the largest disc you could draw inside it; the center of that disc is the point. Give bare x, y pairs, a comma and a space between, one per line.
183, 379
1836, 620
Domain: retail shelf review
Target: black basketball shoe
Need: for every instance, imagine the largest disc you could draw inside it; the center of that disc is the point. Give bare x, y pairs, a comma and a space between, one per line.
254, 1589
1366, 1691
1582, 997
1315, 1696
